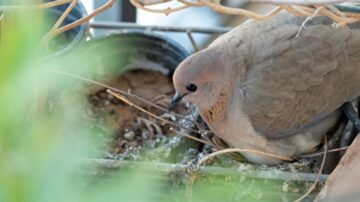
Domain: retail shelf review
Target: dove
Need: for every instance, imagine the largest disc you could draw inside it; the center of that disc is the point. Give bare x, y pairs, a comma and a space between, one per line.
274, 86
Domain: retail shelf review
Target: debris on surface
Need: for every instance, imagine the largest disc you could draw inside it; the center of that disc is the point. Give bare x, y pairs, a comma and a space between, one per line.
134, 131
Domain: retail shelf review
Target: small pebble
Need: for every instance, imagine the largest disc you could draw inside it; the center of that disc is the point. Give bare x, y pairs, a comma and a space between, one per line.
129, 135
106, 102
145, 135
136, 126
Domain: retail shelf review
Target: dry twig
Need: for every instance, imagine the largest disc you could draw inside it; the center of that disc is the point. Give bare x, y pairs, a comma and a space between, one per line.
308, 19
64, 15
232, 150
128, 94
55, 32
319, 173
45, 5
322, 152
296, 7
164, 121
56, 29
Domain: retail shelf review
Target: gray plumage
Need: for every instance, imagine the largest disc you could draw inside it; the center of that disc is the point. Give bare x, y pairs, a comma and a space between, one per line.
262, 87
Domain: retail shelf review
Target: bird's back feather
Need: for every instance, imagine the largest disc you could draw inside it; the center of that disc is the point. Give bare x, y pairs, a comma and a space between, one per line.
291, 82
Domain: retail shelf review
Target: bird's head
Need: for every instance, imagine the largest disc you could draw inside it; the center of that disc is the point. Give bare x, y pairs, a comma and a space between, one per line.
202, 80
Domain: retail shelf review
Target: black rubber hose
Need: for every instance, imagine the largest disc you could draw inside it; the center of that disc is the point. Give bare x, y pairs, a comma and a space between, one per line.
348, 8
352, 115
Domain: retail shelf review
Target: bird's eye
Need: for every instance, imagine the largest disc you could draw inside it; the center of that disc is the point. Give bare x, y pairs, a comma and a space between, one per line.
191, 87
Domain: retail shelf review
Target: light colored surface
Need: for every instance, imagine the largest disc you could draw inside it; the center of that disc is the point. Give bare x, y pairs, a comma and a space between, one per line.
89, 5
344, 182
192, 17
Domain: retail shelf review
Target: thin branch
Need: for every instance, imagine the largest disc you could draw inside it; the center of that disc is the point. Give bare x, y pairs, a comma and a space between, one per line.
295, 7
111, 90
81, 21
186, 2
319, 173
299, 2
193, 42
287, 2
238, 11
308, 19
233, 150
321, 153
128, 94
34, 7
64, 15
166, 11
122, 98
47, 37
152, 2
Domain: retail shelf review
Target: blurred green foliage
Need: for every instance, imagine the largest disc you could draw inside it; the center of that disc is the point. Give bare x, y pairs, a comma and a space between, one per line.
43, 144
42, 148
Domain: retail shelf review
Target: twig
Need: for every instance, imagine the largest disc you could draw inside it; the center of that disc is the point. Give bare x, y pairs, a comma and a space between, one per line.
120, 97
335, 10
128, 94
152, 2
79, 22
308, 19
110, 88
295, 7
232, 150
64, 15
319, 173
238, 11
321, 153
186, 2
165, 11
298, 2
34, 7
47, 37
192, 40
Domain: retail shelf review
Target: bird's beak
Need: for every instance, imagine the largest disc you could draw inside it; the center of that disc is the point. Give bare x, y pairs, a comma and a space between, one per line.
175, 100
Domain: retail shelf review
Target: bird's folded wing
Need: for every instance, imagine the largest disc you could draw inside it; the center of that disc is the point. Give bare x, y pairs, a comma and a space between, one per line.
299, 80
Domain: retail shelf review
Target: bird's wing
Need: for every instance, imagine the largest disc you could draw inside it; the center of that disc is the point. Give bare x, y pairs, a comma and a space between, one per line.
297, 81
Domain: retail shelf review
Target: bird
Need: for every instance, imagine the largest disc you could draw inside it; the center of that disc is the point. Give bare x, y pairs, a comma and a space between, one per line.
275, 86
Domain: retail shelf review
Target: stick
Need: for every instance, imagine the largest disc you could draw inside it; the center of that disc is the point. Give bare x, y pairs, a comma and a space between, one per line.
80, 21
321, 153
126, 93
318, 175
47, 37
232, 150
120, 97
34, 7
